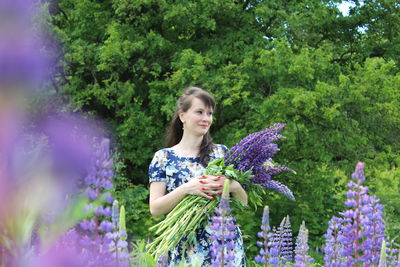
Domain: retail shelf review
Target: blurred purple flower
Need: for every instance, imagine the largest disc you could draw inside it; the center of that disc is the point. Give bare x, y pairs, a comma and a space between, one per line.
71, 139
106, 226
72, 249
23, 65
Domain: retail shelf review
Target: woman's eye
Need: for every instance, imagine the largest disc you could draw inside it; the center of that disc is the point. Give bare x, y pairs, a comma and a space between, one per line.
200, 112
210, 113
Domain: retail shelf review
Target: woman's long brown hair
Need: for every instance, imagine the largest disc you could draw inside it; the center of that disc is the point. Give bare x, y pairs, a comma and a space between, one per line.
175, 129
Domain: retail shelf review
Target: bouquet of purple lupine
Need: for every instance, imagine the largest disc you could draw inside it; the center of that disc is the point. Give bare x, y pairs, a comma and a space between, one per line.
250, 163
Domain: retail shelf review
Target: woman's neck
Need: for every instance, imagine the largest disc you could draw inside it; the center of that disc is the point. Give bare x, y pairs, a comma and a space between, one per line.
189, 145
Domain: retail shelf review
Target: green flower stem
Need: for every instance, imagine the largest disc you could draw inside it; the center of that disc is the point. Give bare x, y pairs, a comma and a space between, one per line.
182, 221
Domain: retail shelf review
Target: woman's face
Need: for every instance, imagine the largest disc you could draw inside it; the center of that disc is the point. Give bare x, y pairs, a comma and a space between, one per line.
197, 119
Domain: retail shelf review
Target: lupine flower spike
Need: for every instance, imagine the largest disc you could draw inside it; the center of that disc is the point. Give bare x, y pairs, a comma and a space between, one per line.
98, 182
223, 225
255, 153
363, 228
392, 254
356, 238
287, 242
117, 239
302, 259
264, 235
334, 248
100, 229
281, 249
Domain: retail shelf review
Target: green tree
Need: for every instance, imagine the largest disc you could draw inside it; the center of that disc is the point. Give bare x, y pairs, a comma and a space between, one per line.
332, 78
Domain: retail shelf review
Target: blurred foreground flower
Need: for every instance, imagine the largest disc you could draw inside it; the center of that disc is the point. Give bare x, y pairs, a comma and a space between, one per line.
43, 159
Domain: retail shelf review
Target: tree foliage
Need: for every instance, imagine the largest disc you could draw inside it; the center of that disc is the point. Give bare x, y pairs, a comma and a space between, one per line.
333, 79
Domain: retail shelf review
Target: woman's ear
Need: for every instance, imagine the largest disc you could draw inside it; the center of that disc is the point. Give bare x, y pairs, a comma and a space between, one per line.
182, 116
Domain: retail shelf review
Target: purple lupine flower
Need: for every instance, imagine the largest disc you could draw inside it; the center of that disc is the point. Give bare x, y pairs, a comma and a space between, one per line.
374, 226
302, 259
94, 180
57, 170
255, 153
223, 227
286, 254
106, 226
362, 230
264, 235
105, 221
333, 247
280, 245
393, 254
89, 225
275, 245
284, 241
116, 239
109, 198
253, 143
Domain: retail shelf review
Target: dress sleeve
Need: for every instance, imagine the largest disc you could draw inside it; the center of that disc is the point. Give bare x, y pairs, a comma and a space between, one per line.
224, 149
157, 167
219, 151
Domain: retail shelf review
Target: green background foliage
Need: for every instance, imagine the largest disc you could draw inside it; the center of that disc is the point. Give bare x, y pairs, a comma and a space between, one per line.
334, 80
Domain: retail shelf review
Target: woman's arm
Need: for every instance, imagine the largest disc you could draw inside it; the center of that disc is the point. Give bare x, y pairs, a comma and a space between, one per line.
161, 203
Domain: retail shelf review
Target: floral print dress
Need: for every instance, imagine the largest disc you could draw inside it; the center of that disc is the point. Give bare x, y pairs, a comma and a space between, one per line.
174, 170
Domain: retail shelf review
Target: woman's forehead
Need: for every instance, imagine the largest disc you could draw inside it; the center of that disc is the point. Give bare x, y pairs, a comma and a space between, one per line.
198, 103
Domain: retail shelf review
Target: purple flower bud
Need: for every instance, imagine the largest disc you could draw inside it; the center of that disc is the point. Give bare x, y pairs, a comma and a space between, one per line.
92, 193
109, 197
259, 259
99, 211
350, 203
88, 225
351, 194
107, 184
106, 226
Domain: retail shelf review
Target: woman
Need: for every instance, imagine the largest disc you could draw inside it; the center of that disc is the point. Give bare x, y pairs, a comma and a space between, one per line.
177, 171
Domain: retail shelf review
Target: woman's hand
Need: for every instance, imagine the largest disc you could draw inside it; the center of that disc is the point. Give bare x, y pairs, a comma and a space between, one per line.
205, 186
237, 191
235, 186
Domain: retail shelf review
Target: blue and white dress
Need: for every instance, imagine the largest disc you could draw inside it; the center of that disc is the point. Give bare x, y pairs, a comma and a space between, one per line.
174, 170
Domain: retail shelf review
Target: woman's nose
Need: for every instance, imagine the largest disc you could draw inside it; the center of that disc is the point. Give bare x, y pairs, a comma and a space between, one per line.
207, 117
